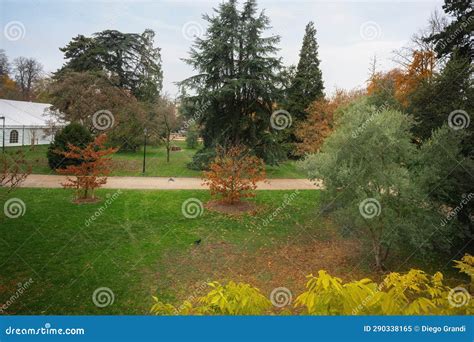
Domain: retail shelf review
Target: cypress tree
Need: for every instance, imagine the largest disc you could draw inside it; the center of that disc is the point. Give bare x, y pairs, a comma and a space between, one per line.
307, 86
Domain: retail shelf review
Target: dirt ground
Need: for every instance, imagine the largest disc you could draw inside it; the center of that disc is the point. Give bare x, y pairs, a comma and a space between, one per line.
282, 265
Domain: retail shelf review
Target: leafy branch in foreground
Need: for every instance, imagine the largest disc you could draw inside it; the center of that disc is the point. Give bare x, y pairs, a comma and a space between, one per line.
412, 293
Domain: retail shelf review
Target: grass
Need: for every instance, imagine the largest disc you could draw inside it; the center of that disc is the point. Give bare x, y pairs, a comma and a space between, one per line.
131, 163
123, 249
141, 245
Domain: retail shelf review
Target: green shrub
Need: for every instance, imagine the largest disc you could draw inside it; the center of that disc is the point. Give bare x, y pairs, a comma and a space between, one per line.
74, 134
192, 137
202, 159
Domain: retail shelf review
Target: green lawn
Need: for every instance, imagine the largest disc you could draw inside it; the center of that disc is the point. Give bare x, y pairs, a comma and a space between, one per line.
131, 163
142, 245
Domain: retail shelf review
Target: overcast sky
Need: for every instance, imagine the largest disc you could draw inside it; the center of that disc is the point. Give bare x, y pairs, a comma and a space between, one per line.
349, 32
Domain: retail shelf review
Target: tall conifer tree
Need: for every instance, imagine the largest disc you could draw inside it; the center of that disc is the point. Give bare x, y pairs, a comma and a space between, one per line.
237, 80
307, 86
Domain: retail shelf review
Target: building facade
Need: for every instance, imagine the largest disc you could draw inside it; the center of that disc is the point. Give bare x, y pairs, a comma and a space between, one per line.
26, 123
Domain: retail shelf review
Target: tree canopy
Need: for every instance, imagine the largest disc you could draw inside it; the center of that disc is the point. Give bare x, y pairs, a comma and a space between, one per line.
376, 187
130, 59
307, 84
237, 79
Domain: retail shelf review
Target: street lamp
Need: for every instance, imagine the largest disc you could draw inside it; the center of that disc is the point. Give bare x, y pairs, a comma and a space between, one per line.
144, 150
3, 134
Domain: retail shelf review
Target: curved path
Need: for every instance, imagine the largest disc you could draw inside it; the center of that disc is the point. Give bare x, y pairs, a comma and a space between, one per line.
166, 183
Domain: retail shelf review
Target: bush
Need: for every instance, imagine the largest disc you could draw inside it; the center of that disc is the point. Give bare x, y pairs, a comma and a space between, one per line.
192, 137
74, 134
93, 170
234, 173
412, 293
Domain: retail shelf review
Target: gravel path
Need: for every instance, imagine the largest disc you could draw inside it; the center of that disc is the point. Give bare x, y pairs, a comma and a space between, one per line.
166, 183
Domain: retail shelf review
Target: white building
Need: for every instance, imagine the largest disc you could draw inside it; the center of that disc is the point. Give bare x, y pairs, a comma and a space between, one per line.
26, 123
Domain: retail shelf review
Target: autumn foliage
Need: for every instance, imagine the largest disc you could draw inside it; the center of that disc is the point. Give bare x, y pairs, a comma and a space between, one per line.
234, 173
92, 172
320, 122
13, 169
404, 81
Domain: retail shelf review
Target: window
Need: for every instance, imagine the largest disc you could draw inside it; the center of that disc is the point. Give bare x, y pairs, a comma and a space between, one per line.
14, 137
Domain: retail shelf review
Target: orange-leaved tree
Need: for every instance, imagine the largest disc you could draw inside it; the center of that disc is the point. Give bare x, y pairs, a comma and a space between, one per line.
234, 174
93, 170
320, 122
401, 82
420, 69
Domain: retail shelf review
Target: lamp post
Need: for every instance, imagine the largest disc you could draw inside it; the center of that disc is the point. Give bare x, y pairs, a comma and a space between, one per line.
3, 134
144, 150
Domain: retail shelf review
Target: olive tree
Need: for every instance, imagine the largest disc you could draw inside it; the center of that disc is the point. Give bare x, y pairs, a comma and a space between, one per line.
372, 185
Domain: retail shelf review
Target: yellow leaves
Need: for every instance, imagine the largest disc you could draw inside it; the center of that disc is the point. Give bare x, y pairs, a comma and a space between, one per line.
160, 308
466, 265
234, 299
412, 293
421, 306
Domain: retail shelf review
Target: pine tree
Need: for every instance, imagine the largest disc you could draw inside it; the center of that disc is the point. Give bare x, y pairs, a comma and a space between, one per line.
237, 79
307, 85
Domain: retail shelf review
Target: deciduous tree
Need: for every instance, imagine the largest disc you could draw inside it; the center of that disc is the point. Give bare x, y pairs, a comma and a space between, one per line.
93, 170
234, 174
27, 72
320, 120
92, 99
167, 122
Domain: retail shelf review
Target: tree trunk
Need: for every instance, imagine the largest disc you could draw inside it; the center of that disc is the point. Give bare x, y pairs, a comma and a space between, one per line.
378, 251
378, 257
